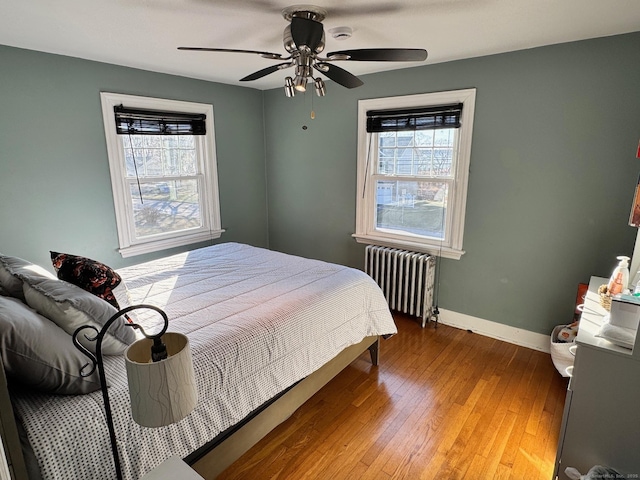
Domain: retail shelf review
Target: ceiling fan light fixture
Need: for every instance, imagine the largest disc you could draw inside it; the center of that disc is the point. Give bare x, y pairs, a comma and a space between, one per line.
300, 83
318, 84
289, 89
304, 39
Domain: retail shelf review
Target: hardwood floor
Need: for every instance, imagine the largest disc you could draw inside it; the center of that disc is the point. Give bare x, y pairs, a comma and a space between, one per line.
443, 404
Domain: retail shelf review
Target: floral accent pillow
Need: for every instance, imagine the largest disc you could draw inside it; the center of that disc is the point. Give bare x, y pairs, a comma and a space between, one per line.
93, 276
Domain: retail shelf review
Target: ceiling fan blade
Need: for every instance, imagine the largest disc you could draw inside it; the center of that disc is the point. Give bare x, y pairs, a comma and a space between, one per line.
305, 31
266, 71
338, 75
274, 56
381, 55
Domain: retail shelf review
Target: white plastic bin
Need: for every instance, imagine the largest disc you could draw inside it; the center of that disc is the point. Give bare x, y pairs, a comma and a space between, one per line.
560, 355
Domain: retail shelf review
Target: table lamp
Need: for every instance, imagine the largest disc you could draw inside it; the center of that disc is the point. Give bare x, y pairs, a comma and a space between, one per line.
162, 386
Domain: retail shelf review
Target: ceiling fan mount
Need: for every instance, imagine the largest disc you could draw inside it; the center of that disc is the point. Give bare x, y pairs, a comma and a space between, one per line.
304, 41
310, 12
306, 13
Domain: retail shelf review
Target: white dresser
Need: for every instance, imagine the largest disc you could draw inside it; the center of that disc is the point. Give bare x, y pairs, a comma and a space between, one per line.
601, 421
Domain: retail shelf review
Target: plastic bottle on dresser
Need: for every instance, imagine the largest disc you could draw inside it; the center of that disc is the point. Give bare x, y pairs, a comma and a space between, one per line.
620, 277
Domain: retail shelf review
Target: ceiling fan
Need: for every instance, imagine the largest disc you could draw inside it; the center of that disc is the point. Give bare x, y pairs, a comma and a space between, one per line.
304, 40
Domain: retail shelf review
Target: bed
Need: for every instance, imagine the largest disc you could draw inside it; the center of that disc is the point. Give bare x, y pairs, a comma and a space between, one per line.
266, 331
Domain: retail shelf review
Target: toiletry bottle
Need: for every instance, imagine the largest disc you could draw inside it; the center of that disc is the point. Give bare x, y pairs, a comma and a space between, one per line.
620, 277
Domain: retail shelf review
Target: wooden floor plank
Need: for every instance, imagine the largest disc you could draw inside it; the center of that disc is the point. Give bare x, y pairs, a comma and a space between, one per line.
444, 403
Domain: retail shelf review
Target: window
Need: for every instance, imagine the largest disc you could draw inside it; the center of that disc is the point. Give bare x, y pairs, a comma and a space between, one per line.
163, 172
413, 166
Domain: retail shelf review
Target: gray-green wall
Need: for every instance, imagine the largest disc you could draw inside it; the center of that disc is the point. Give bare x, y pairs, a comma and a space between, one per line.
553, 167
553, 172
55, 188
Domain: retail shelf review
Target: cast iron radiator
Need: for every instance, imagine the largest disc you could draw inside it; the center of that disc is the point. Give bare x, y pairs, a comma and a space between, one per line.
406, 278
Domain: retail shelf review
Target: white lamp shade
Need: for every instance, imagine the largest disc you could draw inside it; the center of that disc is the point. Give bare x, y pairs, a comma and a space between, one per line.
161, 392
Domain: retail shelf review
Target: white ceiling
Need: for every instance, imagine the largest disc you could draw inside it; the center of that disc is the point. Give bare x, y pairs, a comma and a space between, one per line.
145, 33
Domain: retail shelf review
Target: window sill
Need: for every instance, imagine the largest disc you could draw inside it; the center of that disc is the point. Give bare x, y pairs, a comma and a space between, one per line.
154, 246
444, 252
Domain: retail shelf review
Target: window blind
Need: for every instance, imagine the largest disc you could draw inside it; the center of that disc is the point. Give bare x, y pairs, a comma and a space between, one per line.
136, 121
421, 118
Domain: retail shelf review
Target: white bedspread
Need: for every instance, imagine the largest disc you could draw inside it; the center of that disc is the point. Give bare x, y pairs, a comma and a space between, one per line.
258, 321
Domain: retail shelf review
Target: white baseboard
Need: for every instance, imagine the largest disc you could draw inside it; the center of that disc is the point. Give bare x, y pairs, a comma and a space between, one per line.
517, 336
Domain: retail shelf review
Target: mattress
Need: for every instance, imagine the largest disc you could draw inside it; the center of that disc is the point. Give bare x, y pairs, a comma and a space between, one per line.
258, 321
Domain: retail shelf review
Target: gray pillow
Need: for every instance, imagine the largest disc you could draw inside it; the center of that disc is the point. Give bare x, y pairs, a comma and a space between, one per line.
9, 281
39, 354
9, 284
68, 306
71, 307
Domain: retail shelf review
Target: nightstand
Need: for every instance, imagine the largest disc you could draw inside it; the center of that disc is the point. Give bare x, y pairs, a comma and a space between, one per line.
171, 469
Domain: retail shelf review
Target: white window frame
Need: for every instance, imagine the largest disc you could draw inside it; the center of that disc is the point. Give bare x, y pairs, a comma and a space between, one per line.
211, 223
366, 231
